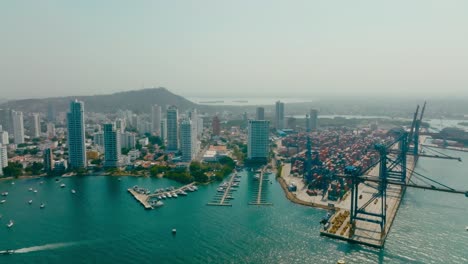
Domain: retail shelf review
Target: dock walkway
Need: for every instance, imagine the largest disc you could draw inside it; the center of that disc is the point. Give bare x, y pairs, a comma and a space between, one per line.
144, 198
258, 200
223, 199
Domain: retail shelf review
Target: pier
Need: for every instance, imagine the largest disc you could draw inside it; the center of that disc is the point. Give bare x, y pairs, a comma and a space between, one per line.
368, 233
144, 199
223, 199
258, 199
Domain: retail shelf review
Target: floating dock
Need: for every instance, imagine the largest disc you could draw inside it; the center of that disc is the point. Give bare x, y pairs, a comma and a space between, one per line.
258, 199
144, 198
223, 199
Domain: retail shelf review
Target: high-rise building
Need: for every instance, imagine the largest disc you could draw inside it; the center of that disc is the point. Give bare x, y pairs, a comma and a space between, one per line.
163, 130
98, 138
307, 120
156, 119
128, 140
111, 146
48, 160
135, 121
51, 115
279, 115
51, 130
144, 127
120, 125
18, 127
35, 126
313, 119
76, 135
260, 113
216, 126
199, 127
4, 138
5, 120
258, 139
188, 140
3, 156
172, 129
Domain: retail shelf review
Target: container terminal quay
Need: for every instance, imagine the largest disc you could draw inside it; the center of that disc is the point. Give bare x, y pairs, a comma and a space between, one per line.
360, 176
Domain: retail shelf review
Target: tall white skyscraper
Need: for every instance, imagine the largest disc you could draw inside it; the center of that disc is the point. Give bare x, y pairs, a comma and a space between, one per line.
172, 128
163, 130
111, 146
18, 127
258, 139
76, 135
188, 140
35, 126
156, 119
3, 156
4, 138
279, 115
260, 113
120, 125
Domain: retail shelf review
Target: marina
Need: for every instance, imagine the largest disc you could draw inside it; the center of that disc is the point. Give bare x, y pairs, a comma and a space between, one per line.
225, 190
146, 198
260, 179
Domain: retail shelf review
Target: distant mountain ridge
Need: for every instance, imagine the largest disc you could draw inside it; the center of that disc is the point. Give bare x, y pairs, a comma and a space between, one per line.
136, 100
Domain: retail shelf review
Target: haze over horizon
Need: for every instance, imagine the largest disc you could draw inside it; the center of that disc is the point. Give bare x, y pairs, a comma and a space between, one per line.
214, 48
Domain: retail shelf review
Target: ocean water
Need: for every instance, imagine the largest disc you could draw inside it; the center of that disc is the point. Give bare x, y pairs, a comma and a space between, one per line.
102, 223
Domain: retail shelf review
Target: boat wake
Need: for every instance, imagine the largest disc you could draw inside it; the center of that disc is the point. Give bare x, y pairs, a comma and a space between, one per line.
41, 248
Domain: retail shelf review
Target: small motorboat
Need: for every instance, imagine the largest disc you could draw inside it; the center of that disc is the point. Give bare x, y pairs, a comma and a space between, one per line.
195, 188
163, 196
12, 183
183, 193
158, 204
42, 205
174, 195
62, 185
30, 189
169, 195
30, 202
73, 191
4, 193
2, 201
7, 252
10, 224
41, 182
35, 191
174, 231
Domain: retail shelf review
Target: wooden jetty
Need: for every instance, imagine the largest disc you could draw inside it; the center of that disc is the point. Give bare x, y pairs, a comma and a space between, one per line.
223, 199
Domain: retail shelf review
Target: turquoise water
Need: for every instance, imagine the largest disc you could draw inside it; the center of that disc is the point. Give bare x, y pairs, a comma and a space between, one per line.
102, 223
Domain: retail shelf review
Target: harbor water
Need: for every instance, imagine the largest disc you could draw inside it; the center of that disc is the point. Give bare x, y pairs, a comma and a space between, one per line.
103, 223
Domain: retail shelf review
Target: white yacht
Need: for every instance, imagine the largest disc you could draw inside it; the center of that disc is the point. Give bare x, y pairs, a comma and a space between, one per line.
158, 204
2, 201
169, 195
30, 202
35, 191
62, 185
174, 195
30, 189
195, 188
42, 205
10, 224
73, 191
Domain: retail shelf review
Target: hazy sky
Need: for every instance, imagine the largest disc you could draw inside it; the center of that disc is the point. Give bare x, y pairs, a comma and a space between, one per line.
292, 48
